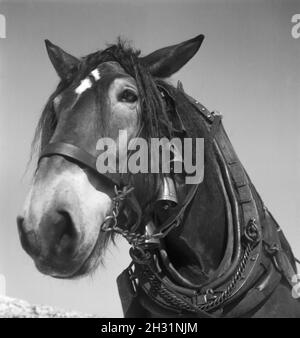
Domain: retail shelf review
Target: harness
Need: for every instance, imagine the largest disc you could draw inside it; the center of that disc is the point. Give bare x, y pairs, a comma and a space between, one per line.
255, 267
253, 273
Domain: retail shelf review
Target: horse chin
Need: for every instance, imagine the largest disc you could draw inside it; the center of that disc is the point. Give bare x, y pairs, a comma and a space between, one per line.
77, 267
93, 260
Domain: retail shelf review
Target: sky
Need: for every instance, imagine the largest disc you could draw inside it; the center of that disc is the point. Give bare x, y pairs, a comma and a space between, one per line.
248, 68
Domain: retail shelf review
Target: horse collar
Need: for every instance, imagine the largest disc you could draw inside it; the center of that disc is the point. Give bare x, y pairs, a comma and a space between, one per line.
146, 273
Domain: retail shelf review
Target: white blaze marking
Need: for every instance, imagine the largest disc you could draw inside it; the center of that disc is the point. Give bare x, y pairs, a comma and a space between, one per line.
84, 85
96, 74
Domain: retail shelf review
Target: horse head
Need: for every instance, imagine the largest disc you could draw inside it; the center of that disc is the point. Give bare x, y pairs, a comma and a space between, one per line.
97, 96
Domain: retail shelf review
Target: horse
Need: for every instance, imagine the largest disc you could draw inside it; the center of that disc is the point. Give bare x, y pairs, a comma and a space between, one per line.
202, 250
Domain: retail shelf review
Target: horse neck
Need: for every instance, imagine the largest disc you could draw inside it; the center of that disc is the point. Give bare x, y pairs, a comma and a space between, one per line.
197, 246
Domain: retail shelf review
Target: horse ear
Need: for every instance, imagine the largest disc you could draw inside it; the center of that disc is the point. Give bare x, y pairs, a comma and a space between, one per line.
166, 61
63, 62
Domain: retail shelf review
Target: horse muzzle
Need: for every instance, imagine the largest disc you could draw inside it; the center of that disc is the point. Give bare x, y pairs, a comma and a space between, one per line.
60, 223
54, 245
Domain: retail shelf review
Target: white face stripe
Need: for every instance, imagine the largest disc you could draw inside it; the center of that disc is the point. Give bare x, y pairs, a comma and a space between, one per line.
84, 85
87, 83
96, 74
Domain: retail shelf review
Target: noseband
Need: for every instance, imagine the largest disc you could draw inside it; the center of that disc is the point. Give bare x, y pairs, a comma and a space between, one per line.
71, 151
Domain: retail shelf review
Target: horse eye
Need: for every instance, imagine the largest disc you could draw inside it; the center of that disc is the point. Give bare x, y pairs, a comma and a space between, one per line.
128, 96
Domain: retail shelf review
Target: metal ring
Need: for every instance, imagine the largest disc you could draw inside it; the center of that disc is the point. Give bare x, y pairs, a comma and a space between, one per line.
115, 213
144, 256
105, 227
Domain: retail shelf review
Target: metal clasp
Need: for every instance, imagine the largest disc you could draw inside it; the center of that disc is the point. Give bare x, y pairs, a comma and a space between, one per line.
110, 222
251, 232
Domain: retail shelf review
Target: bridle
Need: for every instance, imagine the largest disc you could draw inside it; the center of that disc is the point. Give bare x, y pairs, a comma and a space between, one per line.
121, 192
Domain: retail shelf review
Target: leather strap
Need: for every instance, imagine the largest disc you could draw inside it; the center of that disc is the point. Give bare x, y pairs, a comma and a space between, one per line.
81, 156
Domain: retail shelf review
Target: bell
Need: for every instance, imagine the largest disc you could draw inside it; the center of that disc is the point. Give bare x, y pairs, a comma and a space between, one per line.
167, 194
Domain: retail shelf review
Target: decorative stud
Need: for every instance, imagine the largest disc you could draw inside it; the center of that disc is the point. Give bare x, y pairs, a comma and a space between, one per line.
251, 231
216, 113
180, 86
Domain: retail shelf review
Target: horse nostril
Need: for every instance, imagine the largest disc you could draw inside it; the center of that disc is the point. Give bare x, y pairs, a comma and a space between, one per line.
20, 222
66, 233
56, 235
28, 238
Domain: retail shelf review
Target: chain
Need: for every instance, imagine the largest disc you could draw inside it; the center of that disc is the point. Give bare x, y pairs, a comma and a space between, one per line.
158, 288
142, 256
227, 292
110, 223
251, 237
